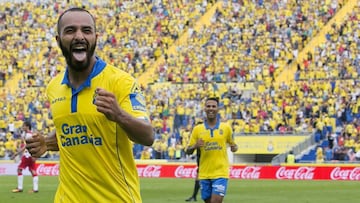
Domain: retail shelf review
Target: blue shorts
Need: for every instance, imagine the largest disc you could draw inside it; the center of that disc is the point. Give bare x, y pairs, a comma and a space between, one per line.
213, 186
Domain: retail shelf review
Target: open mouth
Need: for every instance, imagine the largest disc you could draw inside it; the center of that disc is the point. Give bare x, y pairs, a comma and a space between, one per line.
79, 49
79, 52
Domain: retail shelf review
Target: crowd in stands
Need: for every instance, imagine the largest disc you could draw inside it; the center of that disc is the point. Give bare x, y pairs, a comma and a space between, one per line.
237, 48
131, 36
246, 41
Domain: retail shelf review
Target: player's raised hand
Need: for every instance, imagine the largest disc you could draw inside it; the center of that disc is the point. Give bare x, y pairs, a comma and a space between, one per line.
106, 103
36, 145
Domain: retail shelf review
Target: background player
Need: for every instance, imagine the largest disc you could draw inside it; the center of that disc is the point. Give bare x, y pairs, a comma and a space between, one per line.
26, 161
211, 138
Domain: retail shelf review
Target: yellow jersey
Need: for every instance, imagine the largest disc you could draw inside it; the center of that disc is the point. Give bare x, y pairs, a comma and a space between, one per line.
96, 161
214, 162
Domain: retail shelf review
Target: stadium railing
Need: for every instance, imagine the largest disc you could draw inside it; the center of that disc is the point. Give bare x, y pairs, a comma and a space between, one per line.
298, 150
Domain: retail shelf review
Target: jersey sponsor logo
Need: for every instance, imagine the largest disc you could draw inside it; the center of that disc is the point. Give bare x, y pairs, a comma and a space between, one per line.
73, 135
137, 102
209, 146
59, 99
81, 140
73, 129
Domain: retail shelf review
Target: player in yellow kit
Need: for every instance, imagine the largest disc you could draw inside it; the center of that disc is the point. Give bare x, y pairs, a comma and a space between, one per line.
97, 111
211, 138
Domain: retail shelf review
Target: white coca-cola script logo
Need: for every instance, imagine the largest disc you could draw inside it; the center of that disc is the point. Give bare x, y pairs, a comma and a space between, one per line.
249, 172
345, 174
48, 170
301, 173
150, 171
182, 172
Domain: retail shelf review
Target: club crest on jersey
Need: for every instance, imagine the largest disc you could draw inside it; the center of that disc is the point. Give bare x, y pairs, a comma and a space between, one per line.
94, 97
221, 132
135, 89
137, 102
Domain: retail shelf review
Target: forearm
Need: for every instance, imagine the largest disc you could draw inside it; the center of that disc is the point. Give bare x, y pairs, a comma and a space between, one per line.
138, 130
190, 149
51, 142
18, 152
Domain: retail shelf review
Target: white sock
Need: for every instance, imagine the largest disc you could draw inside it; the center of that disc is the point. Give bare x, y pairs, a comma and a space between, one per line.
36, 183
20, 182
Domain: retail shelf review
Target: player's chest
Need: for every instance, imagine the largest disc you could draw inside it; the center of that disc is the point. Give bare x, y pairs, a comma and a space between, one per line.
212, 134
67, 102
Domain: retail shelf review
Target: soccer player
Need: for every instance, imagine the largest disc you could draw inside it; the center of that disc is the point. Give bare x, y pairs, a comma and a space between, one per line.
211, 138
26, 162
98, 110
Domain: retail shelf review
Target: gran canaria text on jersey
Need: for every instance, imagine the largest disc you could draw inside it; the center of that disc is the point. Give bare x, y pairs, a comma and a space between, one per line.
77, 135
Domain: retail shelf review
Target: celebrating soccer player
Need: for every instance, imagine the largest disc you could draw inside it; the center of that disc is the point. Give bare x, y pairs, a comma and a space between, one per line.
211, 138
98, 110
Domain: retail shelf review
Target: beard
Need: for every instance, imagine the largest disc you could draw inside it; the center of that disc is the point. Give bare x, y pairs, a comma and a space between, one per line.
73, 64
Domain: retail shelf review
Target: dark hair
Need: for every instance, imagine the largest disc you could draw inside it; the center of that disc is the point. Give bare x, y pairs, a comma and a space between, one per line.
213, 99
27, 124
73, 9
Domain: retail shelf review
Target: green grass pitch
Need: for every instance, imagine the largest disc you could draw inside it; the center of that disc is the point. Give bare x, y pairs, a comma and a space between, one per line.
164, 190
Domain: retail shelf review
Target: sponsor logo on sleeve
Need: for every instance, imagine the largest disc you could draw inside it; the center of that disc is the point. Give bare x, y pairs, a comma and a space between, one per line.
137, 102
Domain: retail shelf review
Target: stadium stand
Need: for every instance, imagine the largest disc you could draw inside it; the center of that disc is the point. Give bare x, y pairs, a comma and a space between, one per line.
184, 51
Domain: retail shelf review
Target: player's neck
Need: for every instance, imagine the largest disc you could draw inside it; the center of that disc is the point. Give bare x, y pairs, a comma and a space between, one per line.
77, 78
212, 122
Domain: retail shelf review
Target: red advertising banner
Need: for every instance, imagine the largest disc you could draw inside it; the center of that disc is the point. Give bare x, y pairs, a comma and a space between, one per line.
51, 169
256, 172
337, 172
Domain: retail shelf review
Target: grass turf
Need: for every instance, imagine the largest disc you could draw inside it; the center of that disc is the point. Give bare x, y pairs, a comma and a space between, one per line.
165, 190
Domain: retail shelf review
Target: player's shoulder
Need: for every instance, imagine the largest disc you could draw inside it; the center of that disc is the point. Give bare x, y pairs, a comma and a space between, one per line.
114, 74
199, 127
54, 84
56, 80
115, 71
225, 125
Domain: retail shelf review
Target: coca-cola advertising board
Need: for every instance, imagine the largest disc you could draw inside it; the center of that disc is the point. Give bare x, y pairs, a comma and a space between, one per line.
180, 170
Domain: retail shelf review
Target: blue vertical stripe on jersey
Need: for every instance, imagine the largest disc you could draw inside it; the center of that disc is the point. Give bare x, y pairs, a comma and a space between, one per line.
74, 99
212, 129
98, 67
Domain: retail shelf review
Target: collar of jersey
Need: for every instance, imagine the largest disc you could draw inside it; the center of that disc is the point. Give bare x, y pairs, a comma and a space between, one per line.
215, 127
98, 67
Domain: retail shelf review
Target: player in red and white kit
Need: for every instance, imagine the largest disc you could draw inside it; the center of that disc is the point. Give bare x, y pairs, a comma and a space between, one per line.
26, 161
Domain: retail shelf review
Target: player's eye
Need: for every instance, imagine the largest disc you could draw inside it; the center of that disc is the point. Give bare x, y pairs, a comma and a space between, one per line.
68, 30
87, 30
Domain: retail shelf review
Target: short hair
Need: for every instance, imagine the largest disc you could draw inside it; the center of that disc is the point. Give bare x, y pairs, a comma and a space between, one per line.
27, 124
213, 99
70, 10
